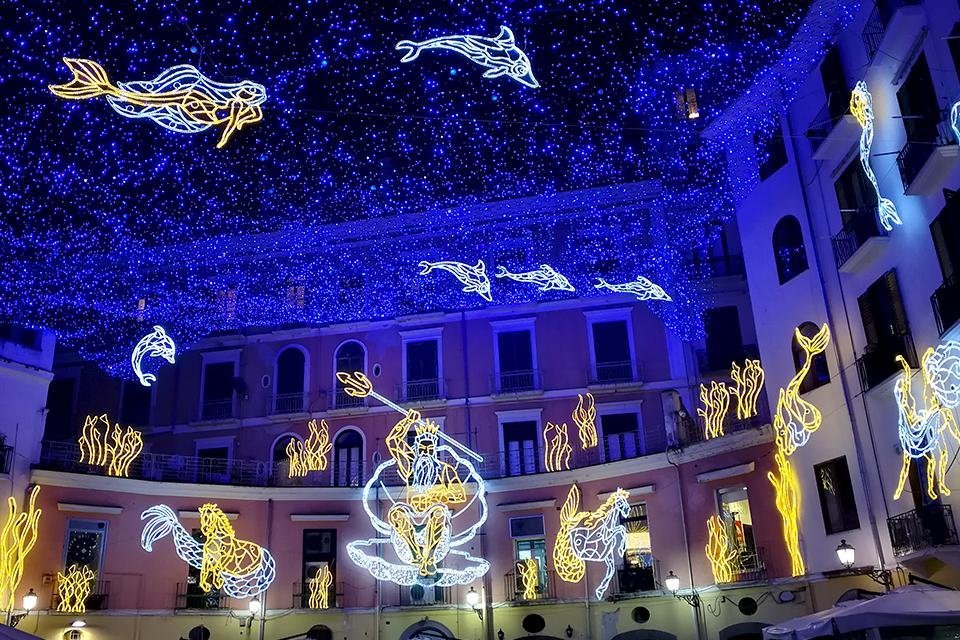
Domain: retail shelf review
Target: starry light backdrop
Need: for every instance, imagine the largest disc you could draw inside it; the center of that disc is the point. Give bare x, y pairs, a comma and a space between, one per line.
362, 165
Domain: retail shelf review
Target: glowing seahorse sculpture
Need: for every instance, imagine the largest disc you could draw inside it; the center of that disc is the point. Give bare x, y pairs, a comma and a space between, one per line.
17, 538
242, 569
156, 344
716, 404
787, 491
113, 449
310, 455
556, 447
921, 431
528, 576
748, 382
861, 106
585, 417
320, 589
584, 536
720, 552
73, 588
798, 418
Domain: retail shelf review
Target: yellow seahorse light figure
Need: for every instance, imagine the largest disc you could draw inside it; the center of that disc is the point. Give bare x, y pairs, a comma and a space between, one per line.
310, 455
716, 404
17, 538
73, 588
585, 417
556, 447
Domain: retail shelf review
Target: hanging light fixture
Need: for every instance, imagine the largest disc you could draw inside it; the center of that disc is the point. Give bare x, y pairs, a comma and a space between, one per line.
846, 553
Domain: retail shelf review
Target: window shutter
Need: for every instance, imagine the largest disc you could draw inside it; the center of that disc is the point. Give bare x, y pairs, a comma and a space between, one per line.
900, 327
867, 317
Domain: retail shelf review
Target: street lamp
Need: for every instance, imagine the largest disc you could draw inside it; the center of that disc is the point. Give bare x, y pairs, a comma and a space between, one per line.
79, 623
671, 582
254, 607
846, 553
30, 600
473, 600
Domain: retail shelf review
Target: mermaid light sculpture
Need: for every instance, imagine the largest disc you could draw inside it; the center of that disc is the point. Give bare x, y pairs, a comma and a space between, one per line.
432, 513
591, 536
861, 107
242, 569
921, 431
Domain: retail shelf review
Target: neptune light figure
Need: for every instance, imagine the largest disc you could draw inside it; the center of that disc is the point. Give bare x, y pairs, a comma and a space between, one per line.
499, 55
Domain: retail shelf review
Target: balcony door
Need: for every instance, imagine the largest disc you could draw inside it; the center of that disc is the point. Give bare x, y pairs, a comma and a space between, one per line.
520, 447
422, 370
218, 391
611, 351
919, 107
883, 315
515, 358
724, 340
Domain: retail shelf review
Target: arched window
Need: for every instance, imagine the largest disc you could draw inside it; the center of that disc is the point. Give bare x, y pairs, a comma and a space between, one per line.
290, 385
350, 357
319, 632
199, 633
788, 249
819, 374
348, 459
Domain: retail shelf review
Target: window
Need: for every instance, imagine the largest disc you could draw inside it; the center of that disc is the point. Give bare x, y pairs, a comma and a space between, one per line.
290, 384
613, 358
885, 329
348, 459
724, 340
771, 151
350, 357
213, 464
529, 542
85, 544
945, 230
135, 404
218, 390
788, 250
194, 596
422, 362
515, 366
59, 423
227, 303
521, 447
919, 108
281, 461
621, 436
819, 374
637, 573
837, 503
29, 338
735, 513
296, 295
319, 551
835, 84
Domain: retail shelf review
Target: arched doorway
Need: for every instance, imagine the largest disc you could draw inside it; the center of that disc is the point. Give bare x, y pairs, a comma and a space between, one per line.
645, 634
426, 630
348, 459
743, 631
319, 632
290, 384
350, 356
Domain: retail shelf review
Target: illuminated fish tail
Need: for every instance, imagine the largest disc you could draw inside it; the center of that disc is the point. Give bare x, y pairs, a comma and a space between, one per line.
410, 50
569, 566
89, 81
163, 521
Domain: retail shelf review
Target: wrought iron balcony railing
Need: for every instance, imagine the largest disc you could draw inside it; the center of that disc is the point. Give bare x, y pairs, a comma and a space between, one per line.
879, 361
946, 304
217, 410
343, 400
423, 596
287, 403
613, 373
98, 600
923, 528
876, 26
301, 595
750, 566
915, 153
516, 381
421, 390
693, 430
189, 596
545, 589
836, 106
862, 225
634, 579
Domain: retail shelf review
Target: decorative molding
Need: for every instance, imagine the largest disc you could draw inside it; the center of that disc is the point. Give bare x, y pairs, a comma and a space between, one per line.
726, 472
319, 517
510, 507
644, 490
73, 507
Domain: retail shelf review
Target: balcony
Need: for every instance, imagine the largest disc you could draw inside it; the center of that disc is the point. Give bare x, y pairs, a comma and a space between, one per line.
632, 580
284, 403
925, 165
189, 596
343, 400
717, 360
421, 390
423, 596
692, 430
6, 458
612, 373
97, 600
217, 410
860, 240
879, 361
891, 29
301, 596
922, 529
718, 266
545, 590
749, 566
507, 382
946, 304
833, 131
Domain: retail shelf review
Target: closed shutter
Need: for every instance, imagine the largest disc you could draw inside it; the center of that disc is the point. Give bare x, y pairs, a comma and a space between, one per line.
899, 318
867, 317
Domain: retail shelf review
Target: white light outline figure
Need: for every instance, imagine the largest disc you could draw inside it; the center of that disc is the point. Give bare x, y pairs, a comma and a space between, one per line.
500, 55
954, 117
473, 277
156, 344
546, 278
591, 536
861, 106
942, 369
405, 572
642, 289
180, 99
162, 521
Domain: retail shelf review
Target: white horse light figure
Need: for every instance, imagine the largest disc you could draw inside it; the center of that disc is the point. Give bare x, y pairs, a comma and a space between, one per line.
156, 344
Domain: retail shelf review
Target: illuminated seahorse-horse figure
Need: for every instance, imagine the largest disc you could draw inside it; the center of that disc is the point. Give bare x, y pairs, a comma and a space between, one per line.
241, 568
921, 430
590, 536
796, 417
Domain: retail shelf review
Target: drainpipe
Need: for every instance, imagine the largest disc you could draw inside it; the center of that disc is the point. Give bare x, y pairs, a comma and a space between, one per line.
263, 603
857, 445
686, 543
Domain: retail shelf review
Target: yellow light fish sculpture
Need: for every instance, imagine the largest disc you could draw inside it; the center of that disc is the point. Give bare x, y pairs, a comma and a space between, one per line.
312, 454
716, 404
73, 588
585, 417
798, 418
17, 538
556, 447
180, 99
241, 568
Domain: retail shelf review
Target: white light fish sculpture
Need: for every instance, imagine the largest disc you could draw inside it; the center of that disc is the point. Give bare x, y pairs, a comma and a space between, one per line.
499, 55
474, 278
954, 117
180, 99
861, 106
642, 289
156, 344
546, 278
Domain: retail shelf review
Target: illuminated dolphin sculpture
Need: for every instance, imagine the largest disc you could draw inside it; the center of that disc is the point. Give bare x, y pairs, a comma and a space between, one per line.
499, 55
546, 278
474, 277
642, 289
156, 344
